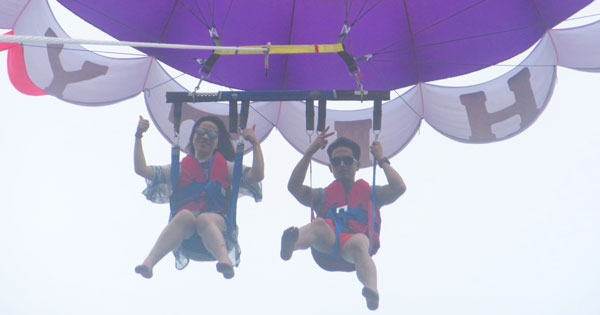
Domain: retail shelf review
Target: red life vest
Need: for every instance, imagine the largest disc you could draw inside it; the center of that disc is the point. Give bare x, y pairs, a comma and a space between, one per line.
359, 197
192, 176
356, 219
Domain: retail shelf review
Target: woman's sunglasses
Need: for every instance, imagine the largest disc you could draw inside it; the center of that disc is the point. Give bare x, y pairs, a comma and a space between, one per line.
337, 161
212, 135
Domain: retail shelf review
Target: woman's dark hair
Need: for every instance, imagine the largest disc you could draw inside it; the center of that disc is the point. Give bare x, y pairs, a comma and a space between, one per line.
224, 140
344, 142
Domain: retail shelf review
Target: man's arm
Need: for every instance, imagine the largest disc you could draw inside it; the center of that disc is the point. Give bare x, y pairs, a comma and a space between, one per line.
395, 188
304, 194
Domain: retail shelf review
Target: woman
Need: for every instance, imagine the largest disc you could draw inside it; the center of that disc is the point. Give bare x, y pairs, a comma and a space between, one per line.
198, 226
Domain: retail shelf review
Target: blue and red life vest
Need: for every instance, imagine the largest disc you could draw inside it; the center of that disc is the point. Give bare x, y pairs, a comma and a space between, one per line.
195, 192
350, 214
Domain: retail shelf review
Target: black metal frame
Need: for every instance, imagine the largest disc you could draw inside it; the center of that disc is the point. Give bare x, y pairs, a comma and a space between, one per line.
265, 96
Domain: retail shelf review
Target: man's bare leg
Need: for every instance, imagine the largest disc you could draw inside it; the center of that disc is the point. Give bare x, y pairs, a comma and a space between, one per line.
317, 234
356, 250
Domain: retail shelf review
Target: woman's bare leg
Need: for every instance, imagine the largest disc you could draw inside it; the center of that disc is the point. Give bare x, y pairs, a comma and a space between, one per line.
211, 227
179, 228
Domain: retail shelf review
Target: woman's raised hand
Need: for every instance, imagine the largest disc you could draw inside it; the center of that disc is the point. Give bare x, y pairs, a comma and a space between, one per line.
250, 135
142, 127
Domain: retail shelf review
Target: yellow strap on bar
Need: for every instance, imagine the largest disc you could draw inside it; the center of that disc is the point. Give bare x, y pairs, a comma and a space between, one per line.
287, 49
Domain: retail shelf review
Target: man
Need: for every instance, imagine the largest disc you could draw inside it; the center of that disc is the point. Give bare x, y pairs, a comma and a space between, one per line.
341, 237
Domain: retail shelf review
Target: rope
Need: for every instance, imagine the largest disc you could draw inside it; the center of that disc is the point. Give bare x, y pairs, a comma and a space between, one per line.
219, 50
24, 39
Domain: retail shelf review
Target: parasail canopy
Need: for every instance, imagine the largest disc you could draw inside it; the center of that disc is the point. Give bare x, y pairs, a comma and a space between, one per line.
491, 111
391, 44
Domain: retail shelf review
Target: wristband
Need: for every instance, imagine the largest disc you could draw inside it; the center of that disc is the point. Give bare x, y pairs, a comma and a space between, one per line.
139, 135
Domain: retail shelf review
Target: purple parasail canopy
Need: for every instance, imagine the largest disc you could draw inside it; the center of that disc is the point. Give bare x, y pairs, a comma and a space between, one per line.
394, 43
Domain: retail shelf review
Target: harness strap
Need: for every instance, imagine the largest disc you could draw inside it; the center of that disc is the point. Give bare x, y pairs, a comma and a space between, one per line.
335, 262
209, 191
310, 129
237, 176
174, 178
377, 113
349, 60
310, 116
231, 219
233, 116
175, 151
286, 49
208, 64
312, 209
322, 115
340, 216
346, 213
244, 114
372, 212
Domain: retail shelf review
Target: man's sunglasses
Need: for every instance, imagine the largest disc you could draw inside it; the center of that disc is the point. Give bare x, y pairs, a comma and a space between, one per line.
212, 135
337, 161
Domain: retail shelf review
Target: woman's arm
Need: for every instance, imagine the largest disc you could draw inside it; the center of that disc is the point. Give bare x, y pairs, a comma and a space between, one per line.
257, 172
139, 160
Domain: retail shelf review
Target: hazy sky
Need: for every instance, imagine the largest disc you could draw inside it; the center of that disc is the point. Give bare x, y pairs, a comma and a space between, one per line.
503, 228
